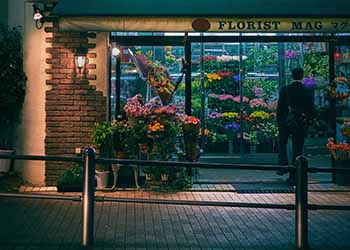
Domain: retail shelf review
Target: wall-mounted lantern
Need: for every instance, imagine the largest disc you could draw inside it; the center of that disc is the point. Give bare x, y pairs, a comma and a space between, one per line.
80, 57
41, 12
38, 16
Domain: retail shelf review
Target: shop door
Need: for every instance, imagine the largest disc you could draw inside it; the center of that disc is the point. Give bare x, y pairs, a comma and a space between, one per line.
236, 95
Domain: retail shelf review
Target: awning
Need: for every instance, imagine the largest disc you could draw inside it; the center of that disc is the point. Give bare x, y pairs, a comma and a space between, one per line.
179, 15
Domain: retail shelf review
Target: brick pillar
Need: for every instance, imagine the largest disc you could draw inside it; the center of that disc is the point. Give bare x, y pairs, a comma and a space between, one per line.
73, 105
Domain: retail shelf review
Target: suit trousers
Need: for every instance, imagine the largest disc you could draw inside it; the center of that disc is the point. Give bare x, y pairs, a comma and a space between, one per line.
298, 139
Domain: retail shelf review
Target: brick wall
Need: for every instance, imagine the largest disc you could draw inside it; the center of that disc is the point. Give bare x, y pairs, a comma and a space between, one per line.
73, 104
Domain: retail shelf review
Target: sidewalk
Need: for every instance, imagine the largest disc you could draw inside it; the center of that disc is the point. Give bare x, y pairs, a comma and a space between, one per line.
44, 224
229, 176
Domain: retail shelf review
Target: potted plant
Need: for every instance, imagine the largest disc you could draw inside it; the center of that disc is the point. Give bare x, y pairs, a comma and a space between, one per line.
71, 180
101, 137
12, 89
121, 136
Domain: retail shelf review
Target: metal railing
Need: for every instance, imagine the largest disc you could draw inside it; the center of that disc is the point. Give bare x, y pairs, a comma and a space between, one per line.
89, 161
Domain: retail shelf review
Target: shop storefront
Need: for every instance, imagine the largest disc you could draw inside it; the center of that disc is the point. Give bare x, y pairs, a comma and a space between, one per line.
238, 56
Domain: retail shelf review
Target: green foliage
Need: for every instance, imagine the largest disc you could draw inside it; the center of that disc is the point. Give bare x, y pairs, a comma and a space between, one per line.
270, 88
212, 66
72, 176
253, 137
196, 96
121, 134
101, 136
258, 58
12, 83
223, 86
217, 138
316, 62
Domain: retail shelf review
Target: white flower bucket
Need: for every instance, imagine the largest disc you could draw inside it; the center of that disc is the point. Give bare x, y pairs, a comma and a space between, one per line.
5, 164
102, 179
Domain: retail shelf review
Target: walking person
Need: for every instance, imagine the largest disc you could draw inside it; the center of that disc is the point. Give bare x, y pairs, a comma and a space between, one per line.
295, 111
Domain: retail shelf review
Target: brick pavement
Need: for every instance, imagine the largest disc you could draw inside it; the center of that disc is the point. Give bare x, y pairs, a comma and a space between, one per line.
32, 224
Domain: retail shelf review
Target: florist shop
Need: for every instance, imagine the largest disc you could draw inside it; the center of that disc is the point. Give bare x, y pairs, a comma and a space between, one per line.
184, 75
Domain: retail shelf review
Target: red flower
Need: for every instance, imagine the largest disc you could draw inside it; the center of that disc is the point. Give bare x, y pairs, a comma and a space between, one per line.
224, 73
193, 120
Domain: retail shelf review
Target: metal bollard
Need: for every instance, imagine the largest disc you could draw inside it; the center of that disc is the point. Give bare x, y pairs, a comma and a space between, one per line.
301, 200
88, 197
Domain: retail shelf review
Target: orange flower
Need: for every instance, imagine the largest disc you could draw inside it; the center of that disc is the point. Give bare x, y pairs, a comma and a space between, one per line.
155, 126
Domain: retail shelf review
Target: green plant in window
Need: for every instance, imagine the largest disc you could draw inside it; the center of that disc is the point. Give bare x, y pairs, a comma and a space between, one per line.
317, 63
258, 58
217, 138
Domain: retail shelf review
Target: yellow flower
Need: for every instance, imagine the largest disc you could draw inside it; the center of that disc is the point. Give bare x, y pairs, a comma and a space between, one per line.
230, 115
260, 115
213, 77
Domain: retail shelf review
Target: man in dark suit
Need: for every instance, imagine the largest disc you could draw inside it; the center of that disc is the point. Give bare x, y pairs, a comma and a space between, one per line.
298, 98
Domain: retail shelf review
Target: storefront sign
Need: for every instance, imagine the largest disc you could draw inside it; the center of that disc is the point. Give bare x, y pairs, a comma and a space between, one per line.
187, 24
279, 25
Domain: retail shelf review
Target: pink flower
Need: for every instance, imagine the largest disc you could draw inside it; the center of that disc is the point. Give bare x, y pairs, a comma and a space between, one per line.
213, 95
215, 115
257, 103
209, 58
225, 97
238, 99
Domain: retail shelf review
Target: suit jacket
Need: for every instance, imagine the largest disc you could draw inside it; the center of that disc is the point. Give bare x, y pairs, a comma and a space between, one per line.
299, 97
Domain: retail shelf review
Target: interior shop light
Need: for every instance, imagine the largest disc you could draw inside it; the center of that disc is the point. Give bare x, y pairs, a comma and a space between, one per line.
115, 51
337, 54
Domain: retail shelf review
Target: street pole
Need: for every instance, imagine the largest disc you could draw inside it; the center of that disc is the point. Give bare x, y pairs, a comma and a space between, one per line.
301, 223
88, 197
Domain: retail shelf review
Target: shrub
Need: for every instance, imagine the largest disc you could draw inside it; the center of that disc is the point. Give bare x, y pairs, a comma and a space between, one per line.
12, 84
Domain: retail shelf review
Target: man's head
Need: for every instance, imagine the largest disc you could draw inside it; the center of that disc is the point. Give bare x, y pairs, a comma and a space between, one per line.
297, 73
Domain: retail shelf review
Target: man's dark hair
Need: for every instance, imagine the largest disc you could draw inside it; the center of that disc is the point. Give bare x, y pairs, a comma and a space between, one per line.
297, 73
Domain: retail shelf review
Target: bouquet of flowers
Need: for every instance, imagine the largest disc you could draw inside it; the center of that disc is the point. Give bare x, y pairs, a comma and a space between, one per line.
159, 78
133, 106
191, 130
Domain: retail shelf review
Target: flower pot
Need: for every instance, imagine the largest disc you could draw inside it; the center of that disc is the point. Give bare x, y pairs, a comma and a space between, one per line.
5, 164
102, 178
